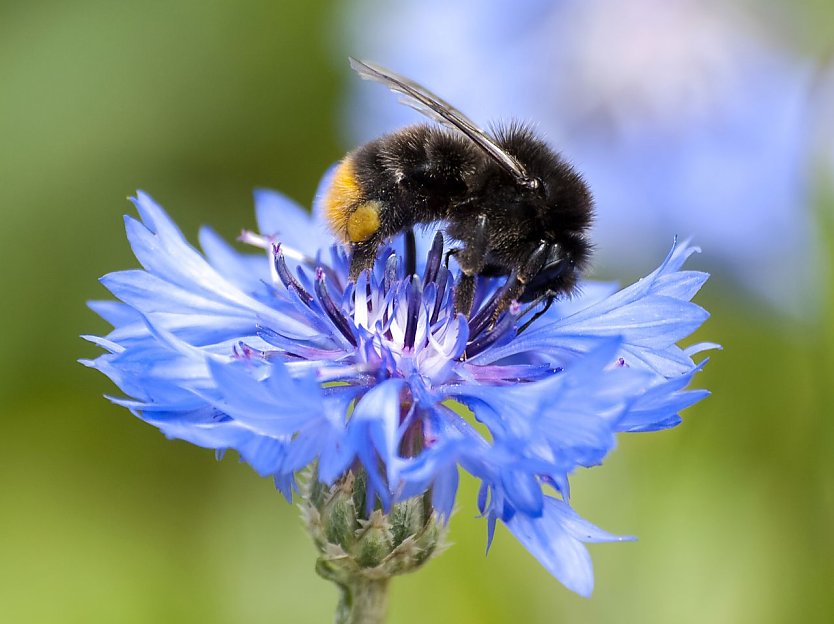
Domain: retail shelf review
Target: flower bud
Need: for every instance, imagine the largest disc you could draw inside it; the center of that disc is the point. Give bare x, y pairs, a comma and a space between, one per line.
356, 546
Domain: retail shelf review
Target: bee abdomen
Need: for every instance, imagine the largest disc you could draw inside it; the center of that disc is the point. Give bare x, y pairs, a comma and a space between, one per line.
352, 216
399, 180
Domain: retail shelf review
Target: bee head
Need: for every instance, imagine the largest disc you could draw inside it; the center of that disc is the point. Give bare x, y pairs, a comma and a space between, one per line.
558, 192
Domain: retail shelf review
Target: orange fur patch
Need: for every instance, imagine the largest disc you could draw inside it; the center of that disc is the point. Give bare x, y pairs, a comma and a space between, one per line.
341, 199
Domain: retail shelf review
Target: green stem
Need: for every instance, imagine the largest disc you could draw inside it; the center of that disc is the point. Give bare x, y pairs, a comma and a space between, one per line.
363, 601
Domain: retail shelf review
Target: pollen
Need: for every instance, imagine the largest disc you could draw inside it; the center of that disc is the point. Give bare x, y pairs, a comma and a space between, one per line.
363, 222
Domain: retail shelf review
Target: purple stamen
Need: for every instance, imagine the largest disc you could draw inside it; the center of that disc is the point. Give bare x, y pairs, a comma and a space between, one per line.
329, 272
491, 336
390, 275
441, 280
331, 310
414, 294
290, 283
433, 260
369, 295
485, 315
410, 253
243, 351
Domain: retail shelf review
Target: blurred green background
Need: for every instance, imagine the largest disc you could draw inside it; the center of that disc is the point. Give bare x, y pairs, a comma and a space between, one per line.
104, 520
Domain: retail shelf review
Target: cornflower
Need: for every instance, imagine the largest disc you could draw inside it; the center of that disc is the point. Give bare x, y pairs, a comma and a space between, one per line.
365, 399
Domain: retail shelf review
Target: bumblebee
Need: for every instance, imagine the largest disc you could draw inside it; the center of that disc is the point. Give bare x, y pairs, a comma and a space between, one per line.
513, 205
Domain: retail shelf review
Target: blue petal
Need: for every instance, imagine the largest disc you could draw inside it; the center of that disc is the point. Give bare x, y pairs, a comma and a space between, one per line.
658, 407
155, 217
164, 253
325, 438
281, 218
523, 491
285, 483
319, 211
373, 430
263, 453
246, 271
148, 293
202, 427
444, 490
277, 406
115, 313
555, 539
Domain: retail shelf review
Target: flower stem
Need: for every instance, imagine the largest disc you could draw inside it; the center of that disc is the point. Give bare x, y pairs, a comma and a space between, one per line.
363, 601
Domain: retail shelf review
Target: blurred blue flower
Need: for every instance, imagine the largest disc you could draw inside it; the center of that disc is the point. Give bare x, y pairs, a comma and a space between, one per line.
282, 359
824, 129
684, 116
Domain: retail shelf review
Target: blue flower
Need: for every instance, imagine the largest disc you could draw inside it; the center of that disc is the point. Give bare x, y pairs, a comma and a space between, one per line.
279, 357
683, 116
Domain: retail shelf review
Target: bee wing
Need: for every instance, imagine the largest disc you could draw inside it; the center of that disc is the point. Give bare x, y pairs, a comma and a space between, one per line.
427, 103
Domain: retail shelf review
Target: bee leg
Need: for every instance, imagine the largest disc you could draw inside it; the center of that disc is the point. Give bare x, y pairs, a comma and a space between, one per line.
517, 282
464, 294
549, 298
362, 256
511, 292
471, 258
